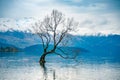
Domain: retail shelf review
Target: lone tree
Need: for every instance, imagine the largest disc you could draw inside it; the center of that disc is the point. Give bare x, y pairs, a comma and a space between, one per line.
54, 29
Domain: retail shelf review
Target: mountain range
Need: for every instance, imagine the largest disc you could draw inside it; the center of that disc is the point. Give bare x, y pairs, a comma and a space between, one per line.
18, 38
96, 44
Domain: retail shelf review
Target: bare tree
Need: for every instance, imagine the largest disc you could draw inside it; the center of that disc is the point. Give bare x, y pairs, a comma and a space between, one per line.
54, 29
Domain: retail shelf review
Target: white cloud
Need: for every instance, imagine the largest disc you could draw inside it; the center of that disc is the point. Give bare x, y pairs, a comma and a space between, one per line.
76, 1
89, 24
92, 19
93, 24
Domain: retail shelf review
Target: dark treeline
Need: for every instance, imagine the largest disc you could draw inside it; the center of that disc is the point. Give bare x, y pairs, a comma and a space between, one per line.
8, 49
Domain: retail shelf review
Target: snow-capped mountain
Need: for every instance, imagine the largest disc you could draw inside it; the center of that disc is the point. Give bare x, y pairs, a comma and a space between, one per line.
99, 44
22, 24
18, 38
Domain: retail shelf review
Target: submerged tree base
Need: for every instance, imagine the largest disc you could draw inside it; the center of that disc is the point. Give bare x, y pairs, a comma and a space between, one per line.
42, 60
42, 65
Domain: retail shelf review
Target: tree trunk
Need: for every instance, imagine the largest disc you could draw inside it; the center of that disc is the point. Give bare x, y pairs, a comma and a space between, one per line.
42, 60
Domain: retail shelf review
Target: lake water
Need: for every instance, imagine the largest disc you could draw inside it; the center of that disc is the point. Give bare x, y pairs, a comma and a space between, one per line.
25, 66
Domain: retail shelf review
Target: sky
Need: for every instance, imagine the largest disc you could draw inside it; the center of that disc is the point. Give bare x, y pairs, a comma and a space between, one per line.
94, 16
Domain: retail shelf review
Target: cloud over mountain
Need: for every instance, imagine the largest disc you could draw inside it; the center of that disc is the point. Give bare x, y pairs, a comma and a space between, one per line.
95, 16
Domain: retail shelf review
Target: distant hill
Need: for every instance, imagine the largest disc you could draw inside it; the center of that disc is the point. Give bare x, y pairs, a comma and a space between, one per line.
39, 49
100, 44
34, 48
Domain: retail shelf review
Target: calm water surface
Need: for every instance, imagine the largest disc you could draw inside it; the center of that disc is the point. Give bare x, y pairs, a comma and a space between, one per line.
25, 66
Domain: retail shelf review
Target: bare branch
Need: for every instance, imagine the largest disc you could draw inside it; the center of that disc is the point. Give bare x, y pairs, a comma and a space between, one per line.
58, 48
53, 29
39, 34
67, 57
61, 55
